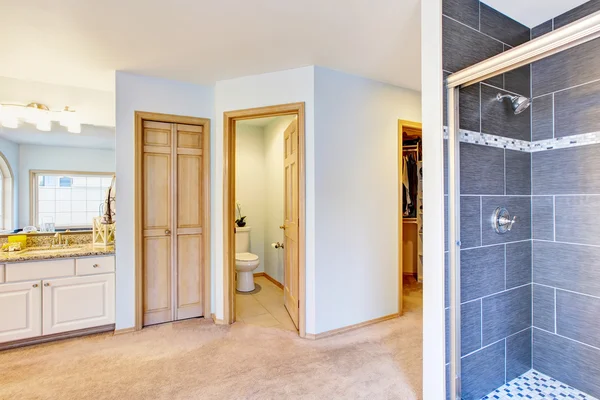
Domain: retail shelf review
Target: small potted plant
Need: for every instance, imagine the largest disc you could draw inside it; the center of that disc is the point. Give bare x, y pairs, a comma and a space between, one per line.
241, 219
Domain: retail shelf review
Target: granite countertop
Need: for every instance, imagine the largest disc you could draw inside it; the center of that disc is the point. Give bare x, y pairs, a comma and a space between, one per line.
47, 253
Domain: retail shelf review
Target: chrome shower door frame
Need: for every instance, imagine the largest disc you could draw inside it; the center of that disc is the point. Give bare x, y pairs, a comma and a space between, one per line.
574, 34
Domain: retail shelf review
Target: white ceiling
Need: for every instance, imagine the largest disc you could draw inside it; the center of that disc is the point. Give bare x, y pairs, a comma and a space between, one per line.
531, 13
82, 43
93, 137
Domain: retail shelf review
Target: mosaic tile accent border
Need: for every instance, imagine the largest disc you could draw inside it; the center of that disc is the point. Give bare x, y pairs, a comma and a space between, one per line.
501, 142
536, 386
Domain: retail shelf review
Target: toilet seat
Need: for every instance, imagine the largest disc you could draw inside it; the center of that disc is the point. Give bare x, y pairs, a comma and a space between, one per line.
246, 257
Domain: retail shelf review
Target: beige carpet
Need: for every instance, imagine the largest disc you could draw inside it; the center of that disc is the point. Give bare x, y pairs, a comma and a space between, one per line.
197, 360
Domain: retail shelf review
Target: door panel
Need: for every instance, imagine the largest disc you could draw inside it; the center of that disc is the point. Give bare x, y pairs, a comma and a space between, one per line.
189, 191
190, 280
157, 280
78, 303
20, 310
291, 278
157, 191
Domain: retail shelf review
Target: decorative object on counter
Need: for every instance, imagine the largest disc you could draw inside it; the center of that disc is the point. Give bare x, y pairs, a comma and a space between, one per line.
241, 220
277, 245
11, 247
30, 229
103, 235
21, 239
110, 203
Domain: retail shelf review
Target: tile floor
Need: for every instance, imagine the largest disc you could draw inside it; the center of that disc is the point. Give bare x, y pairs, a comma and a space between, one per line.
264, 308
535, 386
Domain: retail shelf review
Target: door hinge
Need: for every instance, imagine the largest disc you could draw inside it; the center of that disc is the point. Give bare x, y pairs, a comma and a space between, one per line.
298, 303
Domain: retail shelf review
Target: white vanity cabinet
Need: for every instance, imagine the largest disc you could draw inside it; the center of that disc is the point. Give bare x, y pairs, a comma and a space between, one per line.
52, 297
78, 303
20, 310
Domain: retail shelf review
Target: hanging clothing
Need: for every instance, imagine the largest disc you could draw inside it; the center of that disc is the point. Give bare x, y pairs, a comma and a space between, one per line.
405, 185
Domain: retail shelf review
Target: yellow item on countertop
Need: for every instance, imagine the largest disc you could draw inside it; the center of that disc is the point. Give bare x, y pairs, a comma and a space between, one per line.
15, 246
18, 239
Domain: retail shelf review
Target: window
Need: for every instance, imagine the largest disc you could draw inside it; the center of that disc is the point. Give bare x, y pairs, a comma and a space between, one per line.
68, 199
6, 193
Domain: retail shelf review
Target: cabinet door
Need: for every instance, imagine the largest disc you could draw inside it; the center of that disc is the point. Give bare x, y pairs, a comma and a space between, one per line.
78, 303
20, 310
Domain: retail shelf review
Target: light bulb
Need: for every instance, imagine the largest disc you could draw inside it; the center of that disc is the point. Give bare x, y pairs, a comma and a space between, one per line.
10, 122
66, 117
43, 122
74, 127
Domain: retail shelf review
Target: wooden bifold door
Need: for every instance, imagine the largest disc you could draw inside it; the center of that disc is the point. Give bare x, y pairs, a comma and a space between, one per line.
172, 218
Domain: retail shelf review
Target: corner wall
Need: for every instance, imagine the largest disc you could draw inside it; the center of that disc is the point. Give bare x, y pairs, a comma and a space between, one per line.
356, 196
141, 93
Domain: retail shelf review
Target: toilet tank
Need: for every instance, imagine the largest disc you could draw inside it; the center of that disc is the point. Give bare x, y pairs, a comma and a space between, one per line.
242, 239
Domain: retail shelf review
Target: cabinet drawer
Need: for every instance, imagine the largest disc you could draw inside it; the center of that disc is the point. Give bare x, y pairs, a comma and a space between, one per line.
1, 273
39, 270
94, 265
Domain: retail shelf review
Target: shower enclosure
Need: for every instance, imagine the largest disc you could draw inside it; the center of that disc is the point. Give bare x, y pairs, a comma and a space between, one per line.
523, 204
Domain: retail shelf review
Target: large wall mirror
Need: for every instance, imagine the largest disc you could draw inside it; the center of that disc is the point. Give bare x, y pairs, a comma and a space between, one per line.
57, 155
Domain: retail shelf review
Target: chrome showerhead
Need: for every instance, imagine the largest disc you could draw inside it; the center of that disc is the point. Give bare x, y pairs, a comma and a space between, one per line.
517, 103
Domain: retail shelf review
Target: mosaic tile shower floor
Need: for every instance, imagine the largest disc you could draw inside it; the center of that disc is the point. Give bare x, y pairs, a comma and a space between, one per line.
535, 385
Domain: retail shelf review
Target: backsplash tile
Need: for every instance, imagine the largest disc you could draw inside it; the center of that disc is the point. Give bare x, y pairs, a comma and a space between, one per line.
463, 46
576, 110
481, 169
483, 371
543, 217
577, 317
570, 362
465, 11
575, 219
573, 15
501, 27
581, 62
518, 354
542, 118
469, 108
543, 307
557, 264
519, 80
566, 171
470, 224
481, 272
518, 172
541, 29
518, 264
506, 313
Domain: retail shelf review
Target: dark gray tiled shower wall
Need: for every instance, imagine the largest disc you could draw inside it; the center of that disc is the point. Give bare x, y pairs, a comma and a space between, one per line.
566, 200
495, 270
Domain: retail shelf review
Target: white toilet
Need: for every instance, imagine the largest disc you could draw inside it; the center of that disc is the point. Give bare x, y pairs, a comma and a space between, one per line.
245, 262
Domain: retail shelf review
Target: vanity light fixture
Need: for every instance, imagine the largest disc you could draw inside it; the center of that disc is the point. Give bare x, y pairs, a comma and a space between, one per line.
39, 115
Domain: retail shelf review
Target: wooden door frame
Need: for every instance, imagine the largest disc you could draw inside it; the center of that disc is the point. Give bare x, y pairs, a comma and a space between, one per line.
140, 117
229, 128
401, 124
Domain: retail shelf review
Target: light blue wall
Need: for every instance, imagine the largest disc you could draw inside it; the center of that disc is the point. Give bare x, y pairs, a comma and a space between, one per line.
10, 150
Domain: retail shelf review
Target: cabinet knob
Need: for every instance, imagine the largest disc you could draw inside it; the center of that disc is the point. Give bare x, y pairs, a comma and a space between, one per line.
95, 265
167, 232
282, 227
47, 284
35, 285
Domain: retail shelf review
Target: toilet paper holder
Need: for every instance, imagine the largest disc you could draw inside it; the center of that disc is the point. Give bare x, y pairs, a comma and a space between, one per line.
277, 245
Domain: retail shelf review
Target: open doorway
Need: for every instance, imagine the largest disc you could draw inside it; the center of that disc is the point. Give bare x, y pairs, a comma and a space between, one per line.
264, 217
410, 172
